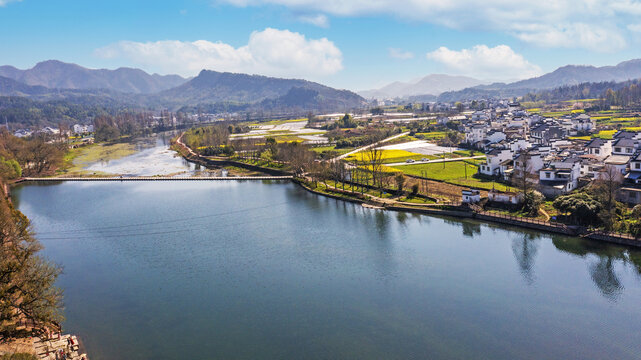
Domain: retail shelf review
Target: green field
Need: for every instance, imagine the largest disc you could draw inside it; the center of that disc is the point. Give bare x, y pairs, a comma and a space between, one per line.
434, 135
452, 172
341, 151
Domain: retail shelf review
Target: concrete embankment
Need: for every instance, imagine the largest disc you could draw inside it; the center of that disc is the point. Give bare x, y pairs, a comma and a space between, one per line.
552, 227
191, 156
461, 212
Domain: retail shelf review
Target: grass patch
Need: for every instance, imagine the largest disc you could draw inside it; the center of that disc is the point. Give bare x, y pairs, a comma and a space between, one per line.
434, 135
416, 200
322, 149
452, 172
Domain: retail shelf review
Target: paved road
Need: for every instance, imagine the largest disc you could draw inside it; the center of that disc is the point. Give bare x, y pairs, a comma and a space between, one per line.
369, 146
436, 161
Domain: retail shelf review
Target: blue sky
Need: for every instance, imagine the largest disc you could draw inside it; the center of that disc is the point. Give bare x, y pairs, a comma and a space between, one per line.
357, 44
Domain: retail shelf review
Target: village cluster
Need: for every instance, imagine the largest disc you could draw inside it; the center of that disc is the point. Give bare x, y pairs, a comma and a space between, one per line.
547, 152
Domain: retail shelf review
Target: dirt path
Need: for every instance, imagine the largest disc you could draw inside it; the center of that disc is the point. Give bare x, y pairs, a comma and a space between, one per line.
437, 161
368, 146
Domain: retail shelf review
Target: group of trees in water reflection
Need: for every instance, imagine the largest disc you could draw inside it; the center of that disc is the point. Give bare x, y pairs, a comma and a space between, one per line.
525, 247
602, 259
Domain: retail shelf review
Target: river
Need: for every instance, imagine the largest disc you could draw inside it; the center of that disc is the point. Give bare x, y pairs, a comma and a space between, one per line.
152, 157
266, 270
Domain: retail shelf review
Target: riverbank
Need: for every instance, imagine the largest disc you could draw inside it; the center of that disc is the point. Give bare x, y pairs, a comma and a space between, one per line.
459, 210
251, 256
52, 348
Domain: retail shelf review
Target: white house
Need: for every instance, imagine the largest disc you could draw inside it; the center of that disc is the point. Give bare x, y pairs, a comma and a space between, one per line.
532, 163
494, 136
619, 162
599, 147
475, 134
495, 158
560, 177
470, 196
582, 123
82, 129
625, 146
505, 197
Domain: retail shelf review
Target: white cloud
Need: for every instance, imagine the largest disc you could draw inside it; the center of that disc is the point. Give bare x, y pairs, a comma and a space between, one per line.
5, 2
576, 35
269, 52
483, 62
396, 53
319, 20
635, 28
597, 25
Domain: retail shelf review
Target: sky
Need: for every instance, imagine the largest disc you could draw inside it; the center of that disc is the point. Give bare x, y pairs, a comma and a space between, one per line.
350, 44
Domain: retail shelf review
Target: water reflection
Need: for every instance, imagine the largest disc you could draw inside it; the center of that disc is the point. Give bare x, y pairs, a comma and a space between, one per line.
603, 271
525, 248
605, 278
293, 274
470, 228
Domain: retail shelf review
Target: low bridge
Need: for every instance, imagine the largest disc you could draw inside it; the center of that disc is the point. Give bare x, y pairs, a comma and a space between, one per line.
155, 178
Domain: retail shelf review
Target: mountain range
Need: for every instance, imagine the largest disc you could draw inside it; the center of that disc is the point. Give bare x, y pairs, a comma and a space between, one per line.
563, 76
55, 80
55, 74
434, 84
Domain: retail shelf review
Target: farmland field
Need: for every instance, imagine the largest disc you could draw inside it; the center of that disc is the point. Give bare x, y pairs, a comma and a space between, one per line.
390, 156
452, 172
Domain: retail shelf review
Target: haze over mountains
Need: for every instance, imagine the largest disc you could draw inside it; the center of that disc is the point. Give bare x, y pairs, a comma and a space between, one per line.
126, 87
434, 84
59, 75
455, 88
563, 76
218, 91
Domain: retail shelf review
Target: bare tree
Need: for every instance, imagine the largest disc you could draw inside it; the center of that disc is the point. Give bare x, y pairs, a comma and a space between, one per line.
375, 161
605, 189
523, 175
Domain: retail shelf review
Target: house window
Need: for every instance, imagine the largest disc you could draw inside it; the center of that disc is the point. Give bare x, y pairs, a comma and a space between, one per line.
637, 165
596, 151
547, 175
628, 150
617, 149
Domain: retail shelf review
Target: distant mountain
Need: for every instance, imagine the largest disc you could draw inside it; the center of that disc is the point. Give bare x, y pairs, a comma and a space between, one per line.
563, 76
211, 87
434, 84
10, 87
577, 74
59, 75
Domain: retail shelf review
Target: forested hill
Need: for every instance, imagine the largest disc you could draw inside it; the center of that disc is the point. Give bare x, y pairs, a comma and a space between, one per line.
210, 91
211, 87
627, 93
566, 76
55, 74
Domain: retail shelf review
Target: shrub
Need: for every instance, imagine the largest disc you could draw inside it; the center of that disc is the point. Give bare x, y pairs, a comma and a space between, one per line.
414, 190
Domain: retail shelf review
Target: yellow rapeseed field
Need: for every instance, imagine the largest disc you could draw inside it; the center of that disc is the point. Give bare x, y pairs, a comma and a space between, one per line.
387, 154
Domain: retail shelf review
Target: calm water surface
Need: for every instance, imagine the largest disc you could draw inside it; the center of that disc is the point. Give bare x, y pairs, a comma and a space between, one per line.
250, 270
